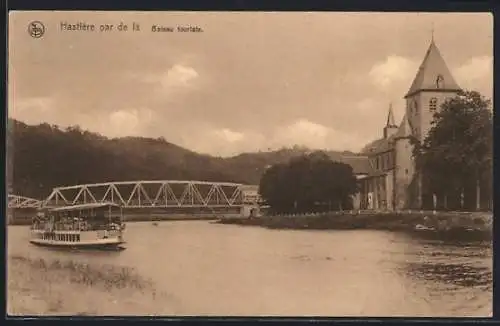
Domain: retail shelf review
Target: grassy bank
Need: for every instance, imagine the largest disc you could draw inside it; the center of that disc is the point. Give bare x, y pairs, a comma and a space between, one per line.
444, 222
54, 287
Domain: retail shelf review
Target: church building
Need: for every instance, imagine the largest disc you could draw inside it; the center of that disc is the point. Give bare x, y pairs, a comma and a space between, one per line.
387, 180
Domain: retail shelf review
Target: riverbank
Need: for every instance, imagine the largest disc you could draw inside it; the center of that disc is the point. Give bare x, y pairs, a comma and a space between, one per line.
54, 287
439, 222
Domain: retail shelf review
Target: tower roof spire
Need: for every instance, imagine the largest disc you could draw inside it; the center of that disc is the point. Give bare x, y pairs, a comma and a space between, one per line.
432, 32
390, 117
433, 74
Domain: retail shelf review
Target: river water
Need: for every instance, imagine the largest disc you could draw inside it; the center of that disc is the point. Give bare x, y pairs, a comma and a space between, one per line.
229, 270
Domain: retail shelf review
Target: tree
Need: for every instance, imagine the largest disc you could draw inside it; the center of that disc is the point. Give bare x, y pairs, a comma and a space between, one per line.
272, 187
308, 183
455, 158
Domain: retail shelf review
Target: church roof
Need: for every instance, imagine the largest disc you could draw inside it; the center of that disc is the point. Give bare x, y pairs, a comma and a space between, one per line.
386, 144
404, 129
378, 146
433, 69
360, 164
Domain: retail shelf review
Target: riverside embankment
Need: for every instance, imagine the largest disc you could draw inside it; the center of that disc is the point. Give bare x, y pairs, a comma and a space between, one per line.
445, 223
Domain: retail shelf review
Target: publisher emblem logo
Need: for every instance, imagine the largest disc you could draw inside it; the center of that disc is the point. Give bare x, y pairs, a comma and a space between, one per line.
36, 29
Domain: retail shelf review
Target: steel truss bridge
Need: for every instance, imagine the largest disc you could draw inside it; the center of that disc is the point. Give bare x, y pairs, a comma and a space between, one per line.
144, 194
14, 201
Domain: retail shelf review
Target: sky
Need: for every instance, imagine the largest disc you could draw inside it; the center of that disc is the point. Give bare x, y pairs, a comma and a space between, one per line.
248, 82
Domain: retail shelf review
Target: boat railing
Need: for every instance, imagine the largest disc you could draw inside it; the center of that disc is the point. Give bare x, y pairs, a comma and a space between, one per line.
78, 227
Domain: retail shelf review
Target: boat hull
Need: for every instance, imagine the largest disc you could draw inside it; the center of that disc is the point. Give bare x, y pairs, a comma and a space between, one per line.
94, 245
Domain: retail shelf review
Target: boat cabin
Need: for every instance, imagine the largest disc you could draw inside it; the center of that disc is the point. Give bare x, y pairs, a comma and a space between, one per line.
85, 225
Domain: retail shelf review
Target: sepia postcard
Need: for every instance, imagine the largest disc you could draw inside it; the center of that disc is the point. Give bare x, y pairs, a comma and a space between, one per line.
249, 164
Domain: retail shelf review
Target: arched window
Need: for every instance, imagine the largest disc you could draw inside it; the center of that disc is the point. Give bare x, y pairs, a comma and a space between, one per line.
415, 107
433, 104
439, 81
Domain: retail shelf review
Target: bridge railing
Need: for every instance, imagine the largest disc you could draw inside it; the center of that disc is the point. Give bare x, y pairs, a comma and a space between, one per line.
15, 201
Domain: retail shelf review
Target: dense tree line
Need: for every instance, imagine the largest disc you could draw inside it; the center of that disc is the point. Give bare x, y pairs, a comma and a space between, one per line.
455, 160
308, 183
44, 156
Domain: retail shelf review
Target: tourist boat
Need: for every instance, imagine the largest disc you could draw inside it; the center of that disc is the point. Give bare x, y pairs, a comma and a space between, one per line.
85, 226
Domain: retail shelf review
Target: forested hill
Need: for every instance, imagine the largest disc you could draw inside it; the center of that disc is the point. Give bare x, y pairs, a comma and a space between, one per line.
44, 156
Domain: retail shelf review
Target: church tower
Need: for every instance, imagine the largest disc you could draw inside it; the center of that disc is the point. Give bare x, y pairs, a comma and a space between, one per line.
432, 86
390, 126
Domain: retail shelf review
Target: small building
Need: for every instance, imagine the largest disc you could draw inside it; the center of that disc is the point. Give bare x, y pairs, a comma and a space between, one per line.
251, 201
250, 194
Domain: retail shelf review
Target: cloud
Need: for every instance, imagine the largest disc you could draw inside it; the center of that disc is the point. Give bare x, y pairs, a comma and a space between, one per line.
177, 76
313, 135
475, 68
221, 141
302, 132
476, 73
32, 109
126, 122
229, 135
394, 69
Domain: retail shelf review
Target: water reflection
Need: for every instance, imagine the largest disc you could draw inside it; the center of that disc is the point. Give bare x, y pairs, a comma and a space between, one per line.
458, 237
457, 274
